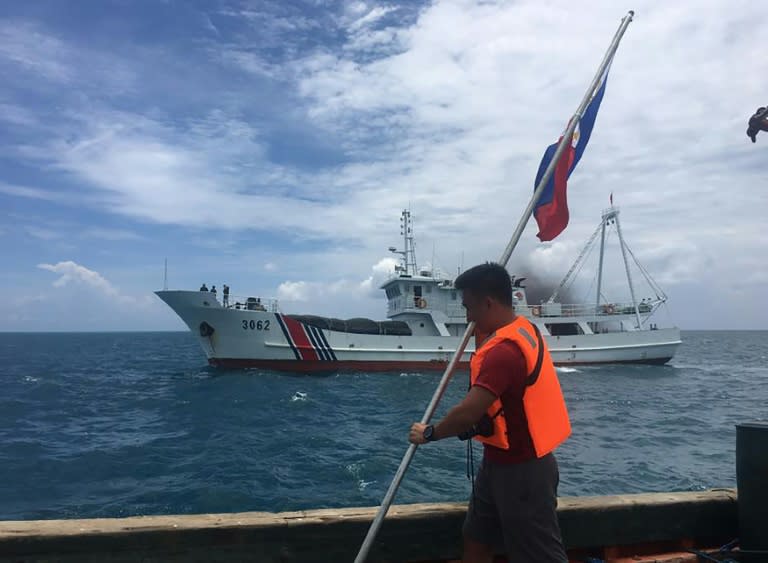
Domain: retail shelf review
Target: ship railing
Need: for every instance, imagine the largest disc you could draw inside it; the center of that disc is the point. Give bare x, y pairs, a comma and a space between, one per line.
590, 310
413, 303
250, 303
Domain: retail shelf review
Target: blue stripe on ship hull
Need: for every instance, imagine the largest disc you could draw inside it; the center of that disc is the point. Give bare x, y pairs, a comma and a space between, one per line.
329, 350
313, 339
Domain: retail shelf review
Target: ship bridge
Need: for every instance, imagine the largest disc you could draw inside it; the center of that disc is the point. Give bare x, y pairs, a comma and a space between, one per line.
427, 300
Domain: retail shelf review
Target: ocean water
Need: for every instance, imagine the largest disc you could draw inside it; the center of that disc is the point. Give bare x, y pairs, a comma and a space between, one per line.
119, 424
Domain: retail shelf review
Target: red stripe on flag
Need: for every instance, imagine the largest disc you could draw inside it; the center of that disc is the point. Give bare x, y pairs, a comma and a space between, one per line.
303, 345
552, 217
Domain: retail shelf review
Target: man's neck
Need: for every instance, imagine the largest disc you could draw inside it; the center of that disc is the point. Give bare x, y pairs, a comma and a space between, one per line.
504, 319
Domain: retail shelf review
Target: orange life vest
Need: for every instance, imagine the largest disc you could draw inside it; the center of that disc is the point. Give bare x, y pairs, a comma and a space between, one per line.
543, 401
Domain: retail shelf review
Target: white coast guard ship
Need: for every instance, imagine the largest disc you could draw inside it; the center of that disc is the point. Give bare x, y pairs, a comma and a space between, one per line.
425, 324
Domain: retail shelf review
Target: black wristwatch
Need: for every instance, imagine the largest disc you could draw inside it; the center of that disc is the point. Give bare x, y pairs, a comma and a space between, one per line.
429, 433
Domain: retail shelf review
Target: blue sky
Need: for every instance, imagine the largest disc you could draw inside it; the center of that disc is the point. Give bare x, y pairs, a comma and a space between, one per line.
272, 145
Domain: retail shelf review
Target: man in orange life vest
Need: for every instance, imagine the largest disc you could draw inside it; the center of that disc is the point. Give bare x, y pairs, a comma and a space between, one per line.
516, 409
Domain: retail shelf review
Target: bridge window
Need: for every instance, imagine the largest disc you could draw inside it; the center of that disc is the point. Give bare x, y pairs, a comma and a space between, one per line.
392, 291
564, 329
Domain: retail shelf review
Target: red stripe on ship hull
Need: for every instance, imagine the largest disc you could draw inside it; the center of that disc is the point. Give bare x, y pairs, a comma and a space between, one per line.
309, 366
300, 340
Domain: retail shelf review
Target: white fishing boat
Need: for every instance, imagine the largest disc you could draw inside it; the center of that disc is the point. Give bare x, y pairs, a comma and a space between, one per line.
425, 323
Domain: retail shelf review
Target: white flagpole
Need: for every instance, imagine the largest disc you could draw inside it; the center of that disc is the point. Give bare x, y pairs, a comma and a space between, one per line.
390, 494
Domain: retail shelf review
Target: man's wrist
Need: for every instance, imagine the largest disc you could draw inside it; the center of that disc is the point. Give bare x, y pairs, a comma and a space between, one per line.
429, 433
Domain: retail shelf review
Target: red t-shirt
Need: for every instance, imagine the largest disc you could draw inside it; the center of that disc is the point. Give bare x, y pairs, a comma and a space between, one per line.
503, 373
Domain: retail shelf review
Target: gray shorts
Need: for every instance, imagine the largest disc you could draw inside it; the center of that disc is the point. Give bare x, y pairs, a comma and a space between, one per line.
515, 506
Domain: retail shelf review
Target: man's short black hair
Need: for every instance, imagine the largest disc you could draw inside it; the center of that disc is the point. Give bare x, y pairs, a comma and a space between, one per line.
487, 280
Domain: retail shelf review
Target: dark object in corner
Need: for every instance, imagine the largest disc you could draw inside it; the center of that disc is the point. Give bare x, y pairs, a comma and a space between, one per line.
757, 123
751, 469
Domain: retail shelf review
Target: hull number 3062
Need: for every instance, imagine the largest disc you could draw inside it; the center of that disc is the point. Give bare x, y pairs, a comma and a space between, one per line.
256, 325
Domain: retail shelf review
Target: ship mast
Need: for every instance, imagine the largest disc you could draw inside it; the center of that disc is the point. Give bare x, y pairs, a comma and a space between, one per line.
614, 212
408, 254
606, 216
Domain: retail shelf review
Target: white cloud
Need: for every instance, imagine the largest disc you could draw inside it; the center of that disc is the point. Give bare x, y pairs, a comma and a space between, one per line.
34, 50
81, 299
208, 24
294, 291
142, 169
382, 270
369, 17
305, 291
385, 266
349, 290
73, 274
251, 63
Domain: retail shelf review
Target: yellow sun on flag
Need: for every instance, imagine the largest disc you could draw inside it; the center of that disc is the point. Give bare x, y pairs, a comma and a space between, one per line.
575, 137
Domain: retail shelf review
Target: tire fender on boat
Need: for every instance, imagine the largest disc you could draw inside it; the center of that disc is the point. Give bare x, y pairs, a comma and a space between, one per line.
536, 310
421, 303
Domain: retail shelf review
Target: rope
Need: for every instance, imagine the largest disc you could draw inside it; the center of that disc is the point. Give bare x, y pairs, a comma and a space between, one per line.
471, 468
652, 282
728, 550
706, 557
575, 274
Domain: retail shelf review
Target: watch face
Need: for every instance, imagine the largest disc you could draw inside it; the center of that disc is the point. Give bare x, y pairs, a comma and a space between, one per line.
428, 431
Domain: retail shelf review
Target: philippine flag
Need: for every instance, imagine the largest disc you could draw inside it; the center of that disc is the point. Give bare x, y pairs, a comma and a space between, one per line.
551, 211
